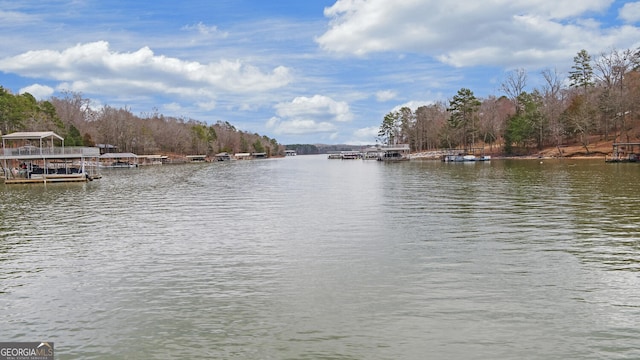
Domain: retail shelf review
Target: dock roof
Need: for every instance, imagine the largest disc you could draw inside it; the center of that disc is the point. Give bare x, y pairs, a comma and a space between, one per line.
118, 155
32, 135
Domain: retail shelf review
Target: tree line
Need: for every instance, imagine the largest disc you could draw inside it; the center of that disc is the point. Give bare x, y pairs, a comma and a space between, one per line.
599, 99
72, 117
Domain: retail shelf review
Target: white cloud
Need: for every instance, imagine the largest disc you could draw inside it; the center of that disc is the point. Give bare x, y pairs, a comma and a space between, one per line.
630, 12
316, 116
386, 95
363, 136
17, 18
172, 107
95, 68
470, 32
413, 105
299, 126
206, 30
208, 106
317, 107
38, 91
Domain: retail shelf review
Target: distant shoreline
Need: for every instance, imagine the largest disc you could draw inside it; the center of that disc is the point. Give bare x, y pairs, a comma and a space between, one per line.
437, 155
523, 157
597, 150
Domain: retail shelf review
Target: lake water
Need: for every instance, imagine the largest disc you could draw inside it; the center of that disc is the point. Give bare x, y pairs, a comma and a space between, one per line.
310, 258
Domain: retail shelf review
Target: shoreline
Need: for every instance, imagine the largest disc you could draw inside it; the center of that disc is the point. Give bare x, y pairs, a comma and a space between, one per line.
527, 157
437, 155
597, 150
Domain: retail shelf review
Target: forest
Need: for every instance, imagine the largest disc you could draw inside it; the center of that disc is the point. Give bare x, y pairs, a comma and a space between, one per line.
71, 117
599, 99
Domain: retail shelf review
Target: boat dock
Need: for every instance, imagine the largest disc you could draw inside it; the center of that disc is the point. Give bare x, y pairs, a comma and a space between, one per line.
462, 155
398, 152
33, 157
624, 152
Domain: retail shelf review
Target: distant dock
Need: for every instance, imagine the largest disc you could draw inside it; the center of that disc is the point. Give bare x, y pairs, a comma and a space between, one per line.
624, 153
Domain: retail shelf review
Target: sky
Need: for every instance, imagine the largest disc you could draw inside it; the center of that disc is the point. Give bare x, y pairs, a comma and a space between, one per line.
298, 71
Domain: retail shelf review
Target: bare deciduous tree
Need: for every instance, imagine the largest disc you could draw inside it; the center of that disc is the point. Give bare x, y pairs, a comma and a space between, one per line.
514, 84
553, 98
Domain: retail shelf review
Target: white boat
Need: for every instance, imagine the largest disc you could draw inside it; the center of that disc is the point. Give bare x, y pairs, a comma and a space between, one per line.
41, 157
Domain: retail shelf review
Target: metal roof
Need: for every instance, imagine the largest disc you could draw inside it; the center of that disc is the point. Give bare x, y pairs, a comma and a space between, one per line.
118, 155
36, 135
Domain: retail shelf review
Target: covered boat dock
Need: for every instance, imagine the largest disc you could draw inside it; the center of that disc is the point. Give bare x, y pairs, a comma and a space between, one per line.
624, 152
41, 157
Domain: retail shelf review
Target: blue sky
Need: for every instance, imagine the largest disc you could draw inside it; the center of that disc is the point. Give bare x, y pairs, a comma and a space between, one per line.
299, 71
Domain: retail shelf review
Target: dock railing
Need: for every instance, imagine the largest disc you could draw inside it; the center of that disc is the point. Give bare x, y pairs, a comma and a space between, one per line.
56, 151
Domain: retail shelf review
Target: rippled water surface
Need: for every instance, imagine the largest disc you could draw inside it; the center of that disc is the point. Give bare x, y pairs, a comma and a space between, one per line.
309, 258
